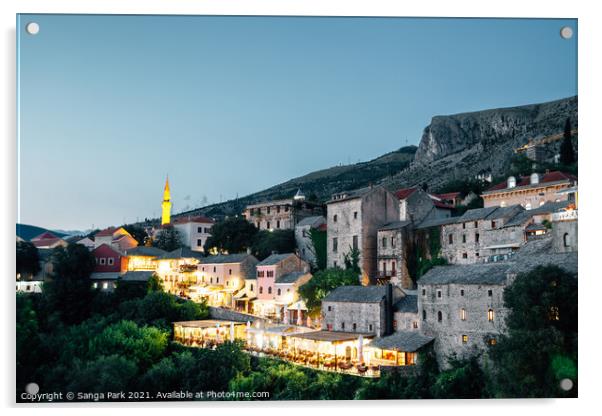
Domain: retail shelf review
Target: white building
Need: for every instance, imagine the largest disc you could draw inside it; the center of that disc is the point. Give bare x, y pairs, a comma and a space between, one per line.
194, 230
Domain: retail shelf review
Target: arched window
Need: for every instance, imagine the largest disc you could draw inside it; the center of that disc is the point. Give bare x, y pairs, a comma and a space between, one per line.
490, 314
565, 239
463, 314
439, 316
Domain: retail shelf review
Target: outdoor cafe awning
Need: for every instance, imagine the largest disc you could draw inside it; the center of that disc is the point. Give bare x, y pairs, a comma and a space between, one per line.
406, 341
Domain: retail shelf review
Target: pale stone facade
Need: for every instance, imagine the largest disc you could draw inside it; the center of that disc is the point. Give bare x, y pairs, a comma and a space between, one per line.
302, 237
194, 231
353, 222
281, 214
394, 240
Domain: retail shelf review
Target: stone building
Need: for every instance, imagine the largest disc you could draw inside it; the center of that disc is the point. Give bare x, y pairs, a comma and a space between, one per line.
353, 221
529, 191
302, 236
361, 309
282, 214
394, 243
177, 270
405, 313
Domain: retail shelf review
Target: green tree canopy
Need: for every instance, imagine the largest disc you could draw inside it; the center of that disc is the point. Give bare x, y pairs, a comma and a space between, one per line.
138, 232
322, 283
540, 348
233, 235
266, 242
28, 260
168, 239
318, 247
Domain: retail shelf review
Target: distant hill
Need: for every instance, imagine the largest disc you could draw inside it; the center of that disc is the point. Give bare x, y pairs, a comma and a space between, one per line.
452, 147
27, 232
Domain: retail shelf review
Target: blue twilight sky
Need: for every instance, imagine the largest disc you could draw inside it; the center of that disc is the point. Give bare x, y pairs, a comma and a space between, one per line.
108, 105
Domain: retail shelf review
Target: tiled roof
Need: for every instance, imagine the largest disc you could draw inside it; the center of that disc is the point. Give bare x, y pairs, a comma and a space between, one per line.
442, 205
144, 251
105, 276
357, 193
45, 236
470, 274
106, 232
408, 303
506, 212
290, 277
406, 341
449, 195
311, 221
540, 253
181, 253
476, 214
137, 276
555, 176
46, 242
226, 258
405, 192
526, 215
274, 259
357, 294
198, 219
394, 225
437, 222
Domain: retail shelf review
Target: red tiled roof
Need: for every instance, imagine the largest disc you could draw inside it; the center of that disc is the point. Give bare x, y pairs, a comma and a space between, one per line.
46, 242
449, 195
197, 218
106, 232
555, 176
404, 193
44, 235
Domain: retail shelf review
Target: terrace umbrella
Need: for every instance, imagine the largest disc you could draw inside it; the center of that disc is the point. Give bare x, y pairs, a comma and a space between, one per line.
299, 317
232, 331
360, 348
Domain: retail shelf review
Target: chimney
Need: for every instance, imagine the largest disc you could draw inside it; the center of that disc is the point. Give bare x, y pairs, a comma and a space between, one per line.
389, 310
511, 182
534, 178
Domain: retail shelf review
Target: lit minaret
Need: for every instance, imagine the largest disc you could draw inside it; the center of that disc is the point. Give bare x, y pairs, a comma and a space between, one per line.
166, 204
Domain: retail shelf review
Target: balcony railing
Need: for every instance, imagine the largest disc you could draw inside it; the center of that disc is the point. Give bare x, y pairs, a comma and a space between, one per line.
386, 274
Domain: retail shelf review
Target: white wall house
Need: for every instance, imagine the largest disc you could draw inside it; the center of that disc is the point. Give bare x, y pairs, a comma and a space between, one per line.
195, 231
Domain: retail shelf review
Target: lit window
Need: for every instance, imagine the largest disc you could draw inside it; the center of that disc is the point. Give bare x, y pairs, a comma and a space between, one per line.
464, 339
492, 341
490, 314
105, 285
463, 314
554, 314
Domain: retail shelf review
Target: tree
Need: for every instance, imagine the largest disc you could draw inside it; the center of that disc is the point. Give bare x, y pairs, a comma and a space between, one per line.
103, 374
168, 239
138, 232
463, 380
28, 260
318, 247
266, 242
69, 291
233, 235
540, 348
352, 260
322, 283
567, 153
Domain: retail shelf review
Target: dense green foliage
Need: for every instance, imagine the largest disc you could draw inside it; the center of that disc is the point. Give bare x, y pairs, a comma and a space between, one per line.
168, 239
28, 260
138, 232
232, 235
540, 348
318, 247
322, 283
266, 242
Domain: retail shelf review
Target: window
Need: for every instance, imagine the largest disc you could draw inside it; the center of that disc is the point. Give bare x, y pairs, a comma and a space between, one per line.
464, 255
230, 271
423, 292
304, 233
492, 224
355, 243
279, 292
394, 323
492, 341
476, 224
214, 269
211, 280
463, 225
439, 294
342, 325
334, 218
439, 316
463, 314
554, 314
463, 238
490, 293
355, 215
278, 209
270, 290
95, 285
303, 251
423, 315
476, 237
260, 290
268, 210
384, 242
335, 245
329, 327
268, 225
370, 327
451, 238
110, 261
103, 261
105, 285
278, 224
270, 273
258, 225
217, 280
464, 339
490, 315
260, 273
199, 242
335, 264
355, 325
393, 242
461, 292
286, 208
251, 287
200, 229
330, 309
565, 239
415, 324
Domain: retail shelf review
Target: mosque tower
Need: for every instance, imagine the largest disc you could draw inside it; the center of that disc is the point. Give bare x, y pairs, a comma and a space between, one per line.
166, 204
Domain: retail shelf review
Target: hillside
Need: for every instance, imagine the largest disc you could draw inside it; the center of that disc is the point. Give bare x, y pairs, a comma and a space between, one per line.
452, 147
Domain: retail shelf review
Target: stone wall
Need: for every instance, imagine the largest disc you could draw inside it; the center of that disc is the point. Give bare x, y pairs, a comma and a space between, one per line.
230, 315
473, 322
564, 235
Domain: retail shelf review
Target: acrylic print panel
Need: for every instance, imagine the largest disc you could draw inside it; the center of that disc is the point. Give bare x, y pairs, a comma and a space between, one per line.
296, 208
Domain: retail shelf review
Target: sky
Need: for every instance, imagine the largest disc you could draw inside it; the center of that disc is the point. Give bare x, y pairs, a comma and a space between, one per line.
108, 106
